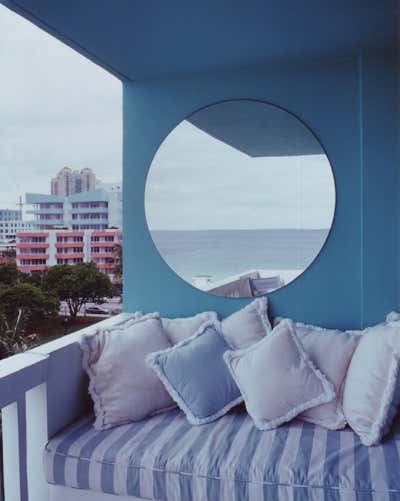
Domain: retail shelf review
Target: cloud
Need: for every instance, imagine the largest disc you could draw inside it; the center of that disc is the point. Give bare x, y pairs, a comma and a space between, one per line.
57, 108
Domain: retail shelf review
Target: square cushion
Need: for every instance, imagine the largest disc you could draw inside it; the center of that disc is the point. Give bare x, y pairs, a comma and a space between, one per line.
195, 375
277, 379
122, 387
178, 329
331, 351
372, 388
248, 325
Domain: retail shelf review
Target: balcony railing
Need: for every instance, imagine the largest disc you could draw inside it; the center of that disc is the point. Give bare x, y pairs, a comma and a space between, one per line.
32, 246
30, 234
68, 245
45, 211
48, 222
70, 234
103, 255
27, 268
84, 220
103, 244
106, 266
33, 256
89, 210
37, 402
70, 255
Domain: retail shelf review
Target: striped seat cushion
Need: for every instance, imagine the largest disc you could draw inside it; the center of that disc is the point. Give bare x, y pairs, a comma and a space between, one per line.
166, 458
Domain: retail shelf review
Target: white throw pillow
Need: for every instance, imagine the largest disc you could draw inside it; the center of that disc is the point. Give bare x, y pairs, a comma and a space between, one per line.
277, 379
331, 351
372, 387
248, 325
178, 329
122, 387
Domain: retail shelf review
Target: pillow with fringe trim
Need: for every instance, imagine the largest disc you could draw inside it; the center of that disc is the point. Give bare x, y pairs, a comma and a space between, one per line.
372, 387
196, 377
121, 385
178, 329
331, 351
277, 379
248, 325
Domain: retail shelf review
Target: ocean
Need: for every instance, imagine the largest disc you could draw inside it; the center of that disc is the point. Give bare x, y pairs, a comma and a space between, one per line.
222, 253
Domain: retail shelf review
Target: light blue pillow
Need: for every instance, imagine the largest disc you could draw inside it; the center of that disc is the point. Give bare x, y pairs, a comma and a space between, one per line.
196, 376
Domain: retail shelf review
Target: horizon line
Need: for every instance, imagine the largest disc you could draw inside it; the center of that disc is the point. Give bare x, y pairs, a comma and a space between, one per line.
240, 229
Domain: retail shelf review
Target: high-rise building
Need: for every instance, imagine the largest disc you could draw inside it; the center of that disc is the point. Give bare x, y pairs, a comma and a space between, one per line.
88, 179
89, 210
69, 182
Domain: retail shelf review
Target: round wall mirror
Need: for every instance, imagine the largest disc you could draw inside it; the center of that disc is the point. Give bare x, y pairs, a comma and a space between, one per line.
240, 198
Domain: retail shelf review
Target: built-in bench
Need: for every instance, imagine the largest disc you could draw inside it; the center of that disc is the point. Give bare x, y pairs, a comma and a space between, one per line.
43, 394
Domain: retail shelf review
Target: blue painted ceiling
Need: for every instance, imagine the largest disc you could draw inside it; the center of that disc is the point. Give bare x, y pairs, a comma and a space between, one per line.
137, 39
257, 129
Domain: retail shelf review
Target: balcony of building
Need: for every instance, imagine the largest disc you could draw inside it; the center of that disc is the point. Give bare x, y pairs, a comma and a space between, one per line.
31, 235
28, 268
90, 220
334, 66
88, 210
103, 255
49, 224
103, 245
41, 211
32, 245
69, 235
25, 255
69, 255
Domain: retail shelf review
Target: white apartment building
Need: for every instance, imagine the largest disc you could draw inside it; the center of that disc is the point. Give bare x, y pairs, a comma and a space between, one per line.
11, 223
89, 210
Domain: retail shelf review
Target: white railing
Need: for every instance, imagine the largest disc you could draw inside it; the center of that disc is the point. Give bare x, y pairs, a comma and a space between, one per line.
41, 391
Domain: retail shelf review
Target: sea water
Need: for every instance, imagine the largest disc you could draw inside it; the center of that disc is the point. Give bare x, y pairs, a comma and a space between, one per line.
223, 253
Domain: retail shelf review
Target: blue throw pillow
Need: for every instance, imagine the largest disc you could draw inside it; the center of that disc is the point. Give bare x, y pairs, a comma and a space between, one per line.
196, 376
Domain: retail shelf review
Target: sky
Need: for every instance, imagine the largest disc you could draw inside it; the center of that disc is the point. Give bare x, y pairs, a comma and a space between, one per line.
56, 109
197, 182
59, 109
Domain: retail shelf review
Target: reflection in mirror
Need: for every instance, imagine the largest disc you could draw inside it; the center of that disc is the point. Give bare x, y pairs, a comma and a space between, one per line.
240, 198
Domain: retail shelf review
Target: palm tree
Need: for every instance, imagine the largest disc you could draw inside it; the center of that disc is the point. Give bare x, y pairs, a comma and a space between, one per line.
118, 264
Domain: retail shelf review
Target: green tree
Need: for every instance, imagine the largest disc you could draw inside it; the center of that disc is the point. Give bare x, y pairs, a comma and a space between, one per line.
20, 306
34, 278
9, 275
118, 264
77, 285
32, 301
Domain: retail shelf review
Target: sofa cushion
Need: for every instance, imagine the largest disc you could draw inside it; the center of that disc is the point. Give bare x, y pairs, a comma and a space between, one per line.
165, 458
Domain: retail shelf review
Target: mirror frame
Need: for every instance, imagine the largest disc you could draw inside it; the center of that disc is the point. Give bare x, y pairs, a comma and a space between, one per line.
335, 195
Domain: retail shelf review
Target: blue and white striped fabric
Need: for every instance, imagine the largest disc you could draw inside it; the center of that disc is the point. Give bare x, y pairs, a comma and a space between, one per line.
165, 458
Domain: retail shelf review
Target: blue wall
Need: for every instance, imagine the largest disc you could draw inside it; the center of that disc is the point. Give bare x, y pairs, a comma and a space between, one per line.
350, 105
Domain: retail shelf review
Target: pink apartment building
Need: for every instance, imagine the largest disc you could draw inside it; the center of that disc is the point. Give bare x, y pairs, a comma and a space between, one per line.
38, 250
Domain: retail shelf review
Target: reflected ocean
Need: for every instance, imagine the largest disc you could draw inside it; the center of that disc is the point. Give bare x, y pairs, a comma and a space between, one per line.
222, 253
